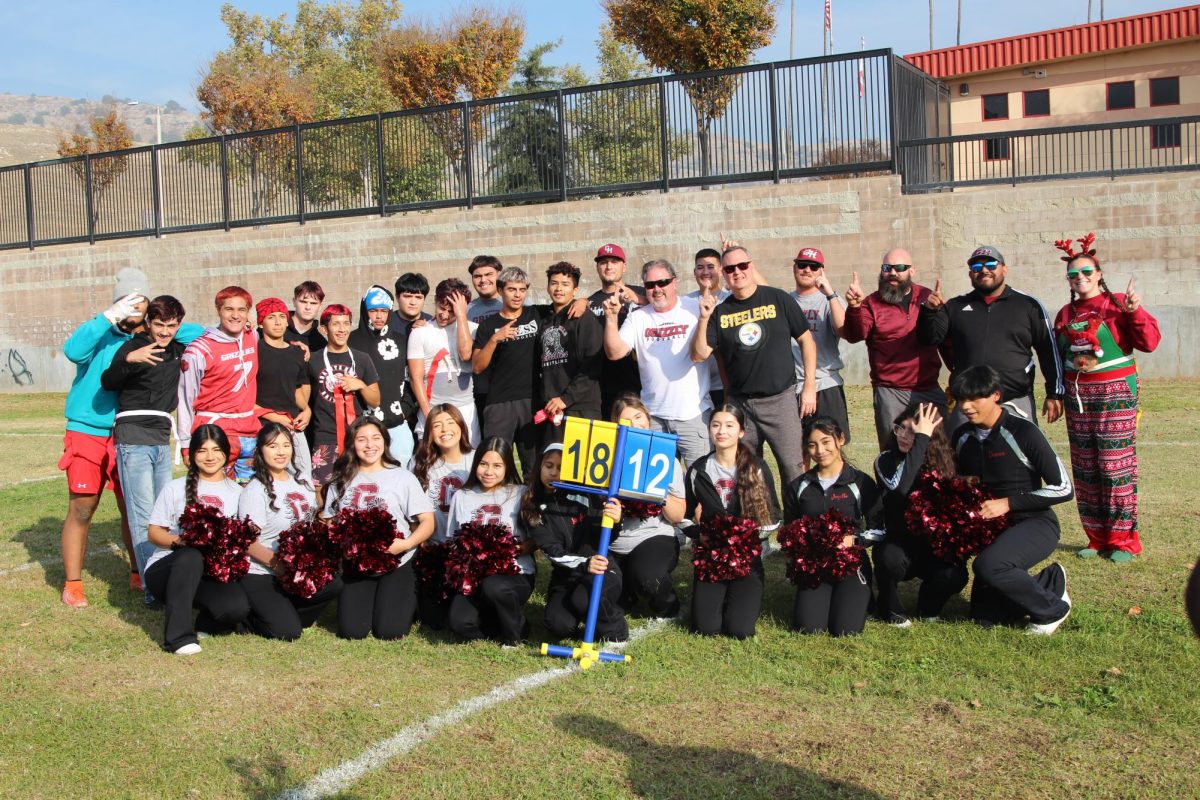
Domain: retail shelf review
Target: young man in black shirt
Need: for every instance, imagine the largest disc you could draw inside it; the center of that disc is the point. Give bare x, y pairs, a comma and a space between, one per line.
1012, 458
302, 322
620, 376
484, 270
569, 350
382, 334
752, 332
283, 387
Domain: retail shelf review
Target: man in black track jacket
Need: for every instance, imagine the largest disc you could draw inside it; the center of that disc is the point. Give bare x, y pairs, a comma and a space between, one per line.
997, 326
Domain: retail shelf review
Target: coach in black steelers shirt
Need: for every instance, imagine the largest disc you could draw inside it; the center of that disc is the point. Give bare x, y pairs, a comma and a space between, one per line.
752, 332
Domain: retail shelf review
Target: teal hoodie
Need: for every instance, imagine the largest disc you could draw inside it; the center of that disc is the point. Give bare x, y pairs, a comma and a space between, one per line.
90, 407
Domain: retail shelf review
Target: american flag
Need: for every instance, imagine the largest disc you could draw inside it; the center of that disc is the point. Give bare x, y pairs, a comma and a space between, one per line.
862, 73
829, 23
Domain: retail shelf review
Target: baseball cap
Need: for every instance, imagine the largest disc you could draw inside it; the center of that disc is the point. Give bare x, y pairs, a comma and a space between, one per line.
810, 255
610, 251
986, 251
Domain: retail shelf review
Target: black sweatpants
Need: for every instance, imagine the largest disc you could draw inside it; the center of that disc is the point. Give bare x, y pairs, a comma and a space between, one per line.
567, 605
1004, 591
512, 421
496, 610
905, 558
728, 607
380, 604
276, 614
178, 581
839, 608
646, 572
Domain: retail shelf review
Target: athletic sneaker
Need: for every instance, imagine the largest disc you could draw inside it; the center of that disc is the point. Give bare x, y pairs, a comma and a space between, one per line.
188, 650
896, 620
1047, 628
1120, 556
135, 582
1088, 552
72, 594
931, 619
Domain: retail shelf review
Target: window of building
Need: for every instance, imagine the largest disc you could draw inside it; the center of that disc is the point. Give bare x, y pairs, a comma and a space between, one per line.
1037, 103
1164, 91
995, 149
1164, 136
995, 106
1120, 95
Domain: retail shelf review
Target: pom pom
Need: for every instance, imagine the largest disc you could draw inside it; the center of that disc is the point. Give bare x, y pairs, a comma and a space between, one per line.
309, 559
222, 541
946, 512
726, 549
430, 565
813, 546
363, 535
478, 551
639, 509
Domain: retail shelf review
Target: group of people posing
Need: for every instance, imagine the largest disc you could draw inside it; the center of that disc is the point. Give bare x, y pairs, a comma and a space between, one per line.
317, 409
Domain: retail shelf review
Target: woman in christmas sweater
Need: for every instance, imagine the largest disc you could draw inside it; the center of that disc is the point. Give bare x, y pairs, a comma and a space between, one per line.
1097, 334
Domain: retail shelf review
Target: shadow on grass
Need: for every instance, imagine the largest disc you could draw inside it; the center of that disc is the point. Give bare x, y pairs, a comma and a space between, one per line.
669, 772
267, 776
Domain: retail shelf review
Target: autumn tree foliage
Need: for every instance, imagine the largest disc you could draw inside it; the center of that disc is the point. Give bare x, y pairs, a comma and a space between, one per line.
694, 36
105, 133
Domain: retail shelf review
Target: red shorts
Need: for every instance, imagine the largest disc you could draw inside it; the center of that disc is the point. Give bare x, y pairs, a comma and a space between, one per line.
90, 462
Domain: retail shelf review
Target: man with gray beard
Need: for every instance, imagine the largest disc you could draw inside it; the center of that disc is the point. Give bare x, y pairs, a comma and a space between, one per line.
903, 371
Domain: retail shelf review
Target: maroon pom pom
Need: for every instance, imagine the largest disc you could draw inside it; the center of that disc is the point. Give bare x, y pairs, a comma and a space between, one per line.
726, 548
364, 535
813, 546
309, 559
430, 565
222, 541
946, 512
640, 509
480, 550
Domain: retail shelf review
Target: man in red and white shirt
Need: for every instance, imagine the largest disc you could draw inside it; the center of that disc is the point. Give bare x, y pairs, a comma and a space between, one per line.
218, 380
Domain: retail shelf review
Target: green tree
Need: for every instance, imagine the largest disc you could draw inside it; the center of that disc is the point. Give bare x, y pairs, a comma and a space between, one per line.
526, 155
693, 36
105, 133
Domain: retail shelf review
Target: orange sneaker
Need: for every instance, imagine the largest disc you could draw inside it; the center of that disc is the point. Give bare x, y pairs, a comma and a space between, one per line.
135, 582
72, 594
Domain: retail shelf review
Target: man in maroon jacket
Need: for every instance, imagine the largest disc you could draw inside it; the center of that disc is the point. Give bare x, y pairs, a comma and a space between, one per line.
902, 371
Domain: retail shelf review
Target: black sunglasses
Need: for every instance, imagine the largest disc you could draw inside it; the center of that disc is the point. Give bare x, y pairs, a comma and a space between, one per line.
729, 269
665, 282
808, 265
885, 268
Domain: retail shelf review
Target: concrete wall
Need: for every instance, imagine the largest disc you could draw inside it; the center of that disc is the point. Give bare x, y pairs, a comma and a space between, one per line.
1145, 227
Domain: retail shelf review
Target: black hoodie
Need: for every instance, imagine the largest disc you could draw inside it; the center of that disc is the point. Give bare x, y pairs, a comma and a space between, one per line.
388, 349
142, 387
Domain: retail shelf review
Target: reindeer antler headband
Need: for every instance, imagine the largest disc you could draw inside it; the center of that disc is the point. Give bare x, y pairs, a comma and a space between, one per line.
1086, 249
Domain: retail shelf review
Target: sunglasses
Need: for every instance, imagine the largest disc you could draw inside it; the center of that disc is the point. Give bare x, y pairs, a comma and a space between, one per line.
980, 266
1086, 272
808, 265
886, 268
729, 269
664, 283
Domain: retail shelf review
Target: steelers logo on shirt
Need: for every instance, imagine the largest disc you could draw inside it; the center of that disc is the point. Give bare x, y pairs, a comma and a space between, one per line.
750, 335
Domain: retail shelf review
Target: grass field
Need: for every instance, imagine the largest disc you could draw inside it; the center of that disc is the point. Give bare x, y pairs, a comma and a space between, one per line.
1108, 707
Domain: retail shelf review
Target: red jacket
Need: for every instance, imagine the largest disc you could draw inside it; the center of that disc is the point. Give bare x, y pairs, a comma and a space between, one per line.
890, 331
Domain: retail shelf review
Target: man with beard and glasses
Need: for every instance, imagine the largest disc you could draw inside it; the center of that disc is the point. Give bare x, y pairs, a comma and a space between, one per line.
903, 371
996, 326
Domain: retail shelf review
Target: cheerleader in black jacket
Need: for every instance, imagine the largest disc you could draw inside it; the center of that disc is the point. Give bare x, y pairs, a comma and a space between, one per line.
729, 481
918, 446
838, 607
569, 534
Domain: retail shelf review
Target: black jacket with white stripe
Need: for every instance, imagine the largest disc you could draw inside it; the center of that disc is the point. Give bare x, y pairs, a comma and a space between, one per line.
568, 536
853, 494
1014, 460
897, 474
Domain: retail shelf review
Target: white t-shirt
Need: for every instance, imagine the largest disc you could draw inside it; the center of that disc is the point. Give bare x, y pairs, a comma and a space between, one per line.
293, 502
714, 372
634, 531
673, 386
502, 505
449, 379
171, 501
394, 488
444, 481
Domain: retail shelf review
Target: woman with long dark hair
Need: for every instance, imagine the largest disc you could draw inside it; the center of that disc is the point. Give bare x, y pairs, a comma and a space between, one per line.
918, 448
175, 572
366, 475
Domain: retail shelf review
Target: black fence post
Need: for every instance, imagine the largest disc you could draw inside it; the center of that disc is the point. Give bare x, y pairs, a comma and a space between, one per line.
29, 204
562, 146
300, 173
156, 187
379, 164
87, 188
468, 178
893, 127
774, 105
225, 182
663, 137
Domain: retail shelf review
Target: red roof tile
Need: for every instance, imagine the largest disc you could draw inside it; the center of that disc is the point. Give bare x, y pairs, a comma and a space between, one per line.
1079, 40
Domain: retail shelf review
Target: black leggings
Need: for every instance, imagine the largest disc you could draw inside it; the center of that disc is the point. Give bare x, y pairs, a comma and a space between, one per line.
647, 572
567, 605
728, 607
905, 558
496, 610
839, 608
276, 614
178, 581
380, 604
1004, 591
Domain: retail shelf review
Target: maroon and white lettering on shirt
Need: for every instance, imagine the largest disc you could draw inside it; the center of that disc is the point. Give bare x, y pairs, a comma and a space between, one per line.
668, 332
488, 515
298, 503
447, 486
724, 488
209, 500
365, 495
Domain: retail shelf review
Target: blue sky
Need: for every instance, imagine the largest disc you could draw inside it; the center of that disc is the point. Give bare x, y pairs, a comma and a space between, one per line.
154, 50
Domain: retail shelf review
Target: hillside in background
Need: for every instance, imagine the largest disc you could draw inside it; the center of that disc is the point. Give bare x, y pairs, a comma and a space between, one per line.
30, 124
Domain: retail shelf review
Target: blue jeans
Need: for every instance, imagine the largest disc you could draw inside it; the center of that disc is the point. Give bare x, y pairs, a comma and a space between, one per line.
145, 470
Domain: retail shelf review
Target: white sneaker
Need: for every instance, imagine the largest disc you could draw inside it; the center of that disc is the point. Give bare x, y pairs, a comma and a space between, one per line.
203, 635
931, 619
1047, 628
188, 650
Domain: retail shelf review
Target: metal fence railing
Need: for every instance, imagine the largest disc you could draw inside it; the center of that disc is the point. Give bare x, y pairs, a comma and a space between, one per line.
1021, 156
808, 117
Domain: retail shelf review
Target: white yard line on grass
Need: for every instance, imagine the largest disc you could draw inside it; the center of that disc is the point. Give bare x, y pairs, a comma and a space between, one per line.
42, 479
340, 778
